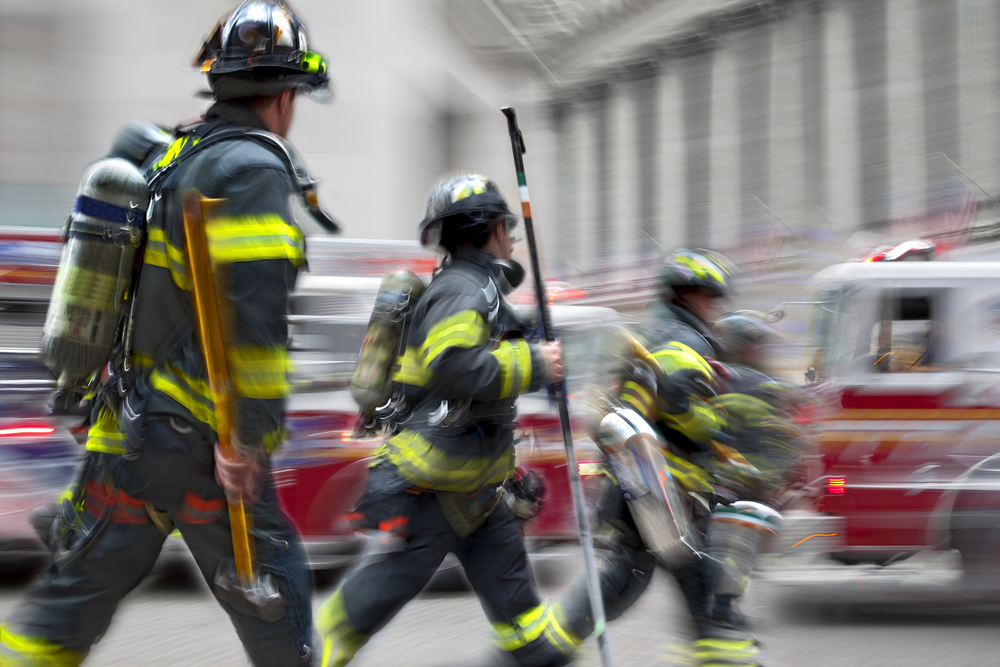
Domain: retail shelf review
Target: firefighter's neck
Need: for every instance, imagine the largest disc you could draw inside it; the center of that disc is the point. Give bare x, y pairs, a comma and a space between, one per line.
277, 112
499, 244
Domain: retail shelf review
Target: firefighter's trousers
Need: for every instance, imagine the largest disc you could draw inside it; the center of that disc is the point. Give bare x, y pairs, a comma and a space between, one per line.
67, 610
627, 571
495, 563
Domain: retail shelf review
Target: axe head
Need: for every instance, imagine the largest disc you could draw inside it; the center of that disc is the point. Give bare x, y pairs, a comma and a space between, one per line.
259, 598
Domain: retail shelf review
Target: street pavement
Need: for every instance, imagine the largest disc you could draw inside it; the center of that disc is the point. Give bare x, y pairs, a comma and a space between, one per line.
911, 614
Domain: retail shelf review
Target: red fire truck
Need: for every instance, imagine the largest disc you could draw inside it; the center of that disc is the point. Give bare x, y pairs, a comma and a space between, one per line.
907, 356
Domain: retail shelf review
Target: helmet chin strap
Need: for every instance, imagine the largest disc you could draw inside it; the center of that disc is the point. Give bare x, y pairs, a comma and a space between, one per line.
508, 275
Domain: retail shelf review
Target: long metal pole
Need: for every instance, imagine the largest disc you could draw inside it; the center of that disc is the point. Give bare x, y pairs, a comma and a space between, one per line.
593, 581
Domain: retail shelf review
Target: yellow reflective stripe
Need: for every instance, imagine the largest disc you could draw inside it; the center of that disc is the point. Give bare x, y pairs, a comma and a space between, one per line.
465, 329
174, 150
17, 650
698, 422
700, 269
259, 371
249, 238
104, 436
557, 630
340, 640
677, 356
141, 360
274, 439
690, 476
160, 252
427, 466
514, 357
750, 410
522, 630
410, 370
639, 397
192, 393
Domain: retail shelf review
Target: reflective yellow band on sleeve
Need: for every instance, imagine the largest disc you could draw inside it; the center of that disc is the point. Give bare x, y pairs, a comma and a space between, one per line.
638, 397
259, 371
514, 357
250, 238
699, 422
411, 370
18, 650
274, 439
465, 329
104, 436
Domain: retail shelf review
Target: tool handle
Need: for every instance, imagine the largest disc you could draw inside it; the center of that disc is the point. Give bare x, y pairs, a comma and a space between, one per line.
576, 486
209, 327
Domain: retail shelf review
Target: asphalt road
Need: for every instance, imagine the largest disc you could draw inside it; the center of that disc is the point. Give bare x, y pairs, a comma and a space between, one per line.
912, 614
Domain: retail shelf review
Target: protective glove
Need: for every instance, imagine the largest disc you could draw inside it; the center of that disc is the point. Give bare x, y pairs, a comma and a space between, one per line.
525, 493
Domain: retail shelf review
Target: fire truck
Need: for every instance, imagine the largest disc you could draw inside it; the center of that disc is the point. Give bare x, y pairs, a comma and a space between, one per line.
906, 356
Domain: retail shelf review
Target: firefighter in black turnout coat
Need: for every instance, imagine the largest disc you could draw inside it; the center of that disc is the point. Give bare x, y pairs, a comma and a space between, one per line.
434, 486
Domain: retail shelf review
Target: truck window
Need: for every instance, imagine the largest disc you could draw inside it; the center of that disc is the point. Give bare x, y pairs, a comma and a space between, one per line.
907, 336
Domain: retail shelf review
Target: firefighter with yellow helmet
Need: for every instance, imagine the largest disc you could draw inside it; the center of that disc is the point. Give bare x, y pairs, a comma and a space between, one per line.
150, 465
433, 488
672, 403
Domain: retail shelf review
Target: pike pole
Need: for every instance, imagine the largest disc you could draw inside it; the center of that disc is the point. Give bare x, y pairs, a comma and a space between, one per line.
209, 326
593, 581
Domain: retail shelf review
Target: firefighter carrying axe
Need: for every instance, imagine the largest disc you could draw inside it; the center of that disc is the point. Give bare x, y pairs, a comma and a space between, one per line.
237, 582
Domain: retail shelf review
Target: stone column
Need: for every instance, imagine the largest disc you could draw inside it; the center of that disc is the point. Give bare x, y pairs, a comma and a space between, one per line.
696, 84
842, 139
724, 206
905, 167
671, 222
869, 44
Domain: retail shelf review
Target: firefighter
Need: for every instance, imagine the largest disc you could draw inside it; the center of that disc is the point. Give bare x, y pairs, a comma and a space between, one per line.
157, 469
757, 414
678, 401
433, 487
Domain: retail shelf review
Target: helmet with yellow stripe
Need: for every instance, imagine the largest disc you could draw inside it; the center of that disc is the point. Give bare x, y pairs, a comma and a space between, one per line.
462, 208
260, 48
697, 269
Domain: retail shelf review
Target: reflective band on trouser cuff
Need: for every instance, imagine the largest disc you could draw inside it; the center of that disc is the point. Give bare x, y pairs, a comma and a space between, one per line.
250, 238
340, 640
427, 466
259, 371
465, 329
160, 252
196, 509
726, 652
557, 630
192, 393
514, 358
411, 370
17, 650
104, 436
125, 508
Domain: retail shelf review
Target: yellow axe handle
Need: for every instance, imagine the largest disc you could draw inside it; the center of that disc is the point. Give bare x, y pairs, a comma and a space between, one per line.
209, 324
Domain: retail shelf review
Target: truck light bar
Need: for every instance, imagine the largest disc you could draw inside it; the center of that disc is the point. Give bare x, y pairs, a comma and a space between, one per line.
836, 484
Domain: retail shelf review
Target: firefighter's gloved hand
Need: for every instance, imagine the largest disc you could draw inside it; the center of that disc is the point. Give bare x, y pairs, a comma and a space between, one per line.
525, 493
239, 477
553, 357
